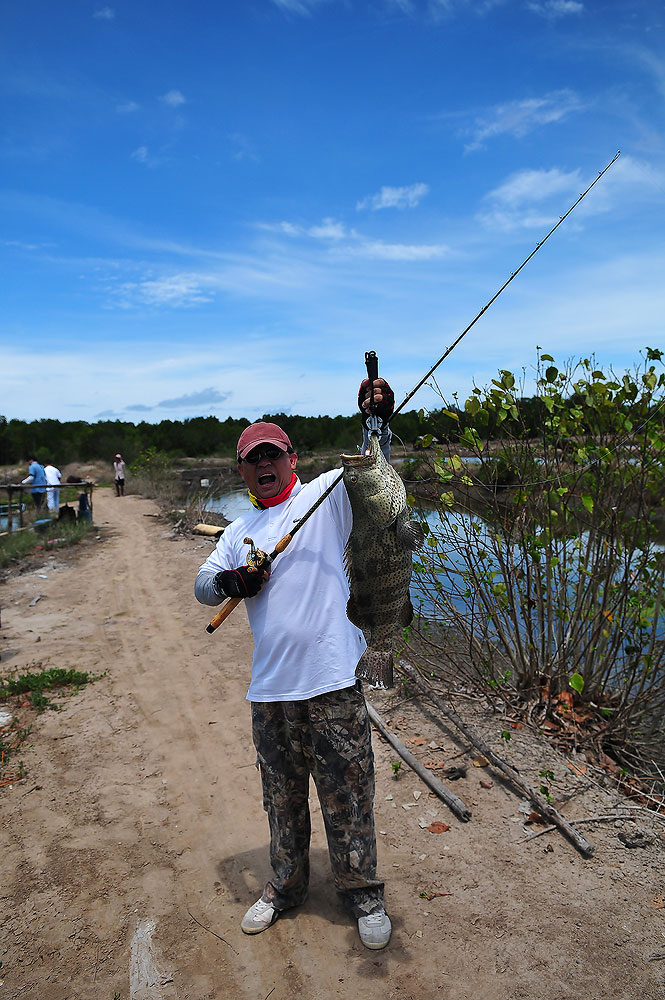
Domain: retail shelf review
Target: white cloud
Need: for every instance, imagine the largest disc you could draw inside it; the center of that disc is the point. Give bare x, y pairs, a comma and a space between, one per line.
530, 199
629, 183
127, 108
22, 245
553, 9
104, 14
527, 186
395, 197
438, 8
351, 243
288, 228
518, 118
329, 229
140, 154
143, 155
243, 148
378, 250
173, 290
174, 98
652, 62
303, 7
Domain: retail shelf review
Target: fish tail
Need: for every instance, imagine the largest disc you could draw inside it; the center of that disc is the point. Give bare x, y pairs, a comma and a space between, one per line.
376, 667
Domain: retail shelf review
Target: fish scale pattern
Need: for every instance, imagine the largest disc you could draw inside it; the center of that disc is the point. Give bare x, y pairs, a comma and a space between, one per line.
379, 558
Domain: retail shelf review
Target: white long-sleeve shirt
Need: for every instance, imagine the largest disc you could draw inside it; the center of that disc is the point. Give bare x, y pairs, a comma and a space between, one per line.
304, 645
53, 475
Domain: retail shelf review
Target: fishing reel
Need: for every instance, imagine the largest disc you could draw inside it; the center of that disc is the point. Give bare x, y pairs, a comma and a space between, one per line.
257, 559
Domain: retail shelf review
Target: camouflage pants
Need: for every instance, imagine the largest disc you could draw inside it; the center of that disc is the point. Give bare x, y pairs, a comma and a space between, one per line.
328, 737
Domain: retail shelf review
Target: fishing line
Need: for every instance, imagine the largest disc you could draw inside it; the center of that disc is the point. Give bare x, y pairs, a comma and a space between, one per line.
514, 274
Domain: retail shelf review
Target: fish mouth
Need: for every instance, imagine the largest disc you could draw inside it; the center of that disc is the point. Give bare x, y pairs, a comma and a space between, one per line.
356, 460
365, 458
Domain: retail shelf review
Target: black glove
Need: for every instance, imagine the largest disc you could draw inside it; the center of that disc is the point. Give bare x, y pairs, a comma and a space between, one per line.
240, 582
384, 409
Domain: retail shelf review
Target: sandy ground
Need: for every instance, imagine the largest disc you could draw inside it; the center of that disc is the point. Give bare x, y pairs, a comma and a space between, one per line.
137, 839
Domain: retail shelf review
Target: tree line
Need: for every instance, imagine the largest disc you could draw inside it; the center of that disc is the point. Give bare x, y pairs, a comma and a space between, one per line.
80, 441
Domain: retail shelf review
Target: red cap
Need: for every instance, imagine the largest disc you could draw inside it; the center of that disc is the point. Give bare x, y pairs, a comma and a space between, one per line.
261, 433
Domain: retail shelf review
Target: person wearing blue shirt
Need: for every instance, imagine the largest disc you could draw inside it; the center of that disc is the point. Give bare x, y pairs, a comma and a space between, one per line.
37, 479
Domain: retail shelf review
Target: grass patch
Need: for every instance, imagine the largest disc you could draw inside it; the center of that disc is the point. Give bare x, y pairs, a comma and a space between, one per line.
11, 739
33, 685
21, 544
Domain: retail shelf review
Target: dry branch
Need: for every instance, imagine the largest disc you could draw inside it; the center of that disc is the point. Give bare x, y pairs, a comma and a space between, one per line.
454, 803
584, 846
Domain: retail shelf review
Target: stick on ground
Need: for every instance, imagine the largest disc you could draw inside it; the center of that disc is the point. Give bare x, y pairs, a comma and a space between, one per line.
454, 803
584, 846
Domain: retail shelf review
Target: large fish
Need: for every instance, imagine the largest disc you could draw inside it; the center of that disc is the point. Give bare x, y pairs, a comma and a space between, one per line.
378, 558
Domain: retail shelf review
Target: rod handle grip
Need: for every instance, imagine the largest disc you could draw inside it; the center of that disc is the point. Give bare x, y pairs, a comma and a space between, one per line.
223, 613
281, 545
372, 365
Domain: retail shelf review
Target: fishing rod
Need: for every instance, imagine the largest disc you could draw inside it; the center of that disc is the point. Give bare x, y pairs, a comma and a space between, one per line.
513, 275
257, 559
260, 561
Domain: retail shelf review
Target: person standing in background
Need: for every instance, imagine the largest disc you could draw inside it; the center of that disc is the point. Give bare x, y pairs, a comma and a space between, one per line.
53, 477
37, 479
119, 472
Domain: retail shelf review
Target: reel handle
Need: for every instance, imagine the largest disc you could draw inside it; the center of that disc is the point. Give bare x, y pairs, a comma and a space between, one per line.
372, 365
373, 423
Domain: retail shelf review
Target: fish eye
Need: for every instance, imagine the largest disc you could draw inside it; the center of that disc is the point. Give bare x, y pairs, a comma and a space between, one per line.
353, 479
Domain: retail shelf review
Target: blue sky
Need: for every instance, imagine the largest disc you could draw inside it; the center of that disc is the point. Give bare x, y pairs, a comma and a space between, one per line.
217, 208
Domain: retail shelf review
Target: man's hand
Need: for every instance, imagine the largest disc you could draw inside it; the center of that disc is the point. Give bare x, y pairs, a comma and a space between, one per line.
382, 401
240, 582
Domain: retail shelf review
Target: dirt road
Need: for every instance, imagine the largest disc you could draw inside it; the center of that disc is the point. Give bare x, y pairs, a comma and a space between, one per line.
137, 840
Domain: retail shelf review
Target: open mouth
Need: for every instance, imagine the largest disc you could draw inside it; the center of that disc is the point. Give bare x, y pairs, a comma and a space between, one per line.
267, 479
357, 460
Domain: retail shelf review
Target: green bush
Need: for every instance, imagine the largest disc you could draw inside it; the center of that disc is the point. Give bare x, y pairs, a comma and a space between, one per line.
554, 576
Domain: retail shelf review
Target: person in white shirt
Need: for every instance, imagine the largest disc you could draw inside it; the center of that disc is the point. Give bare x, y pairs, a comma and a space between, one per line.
53, 477
119, 473
308, 710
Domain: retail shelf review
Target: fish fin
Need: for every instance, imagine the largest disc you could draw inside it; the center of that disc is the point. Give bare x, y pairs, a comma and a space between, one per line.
406, 613
410, 533
376, 667
347, 561
352, 613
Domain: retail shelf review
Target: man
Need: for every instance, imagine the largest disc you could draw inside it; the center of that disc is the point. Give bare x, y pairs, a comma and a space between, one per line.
37, 479
119, 473
53, 477
308, 710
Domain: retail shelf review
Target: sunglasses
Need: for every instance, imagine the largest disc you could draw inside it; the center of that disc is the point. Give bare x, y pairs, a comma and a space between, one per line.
269, 451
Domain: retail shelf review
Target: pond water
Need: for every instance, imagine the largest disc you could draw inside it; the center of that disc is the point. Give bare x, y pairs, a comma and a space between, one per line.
234, 503
462, 538
231, 503
16, 521
4, 523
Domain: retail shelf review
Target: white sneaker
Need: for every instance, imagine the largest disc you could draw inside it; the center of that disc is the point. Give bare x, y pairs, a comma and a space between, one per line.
259, 917
375, 930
